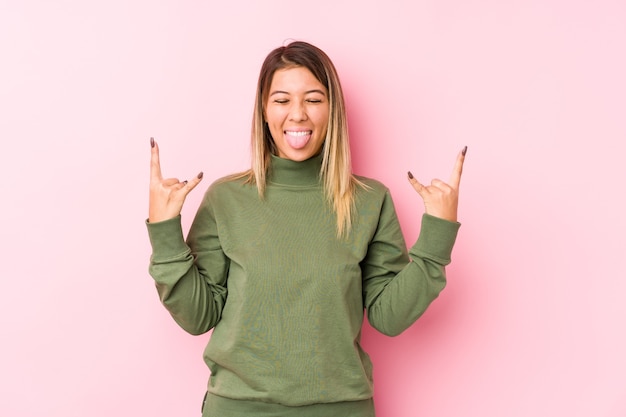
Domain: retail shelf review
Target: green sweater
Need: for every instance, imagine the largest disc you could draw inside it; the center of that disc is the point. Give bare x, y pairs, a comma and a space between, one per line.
284, 295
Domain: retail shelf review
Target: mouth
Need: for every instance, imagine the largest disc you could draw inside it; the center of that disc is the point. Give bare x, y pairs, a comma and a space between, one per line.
298, 139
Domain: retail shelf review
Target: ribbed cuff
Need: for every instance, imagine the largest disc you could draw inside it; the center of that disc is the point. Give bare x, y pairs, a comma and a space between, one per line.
436, 239
167, 238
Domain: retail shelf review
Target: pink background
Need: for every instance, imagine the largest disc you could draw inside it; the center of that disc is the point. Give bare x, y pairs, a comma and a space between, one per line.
533, 322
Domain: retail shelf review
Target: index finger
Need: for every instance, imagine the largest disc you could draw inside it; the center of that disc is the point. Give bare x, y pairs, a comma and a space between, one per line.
455, 178
155, 163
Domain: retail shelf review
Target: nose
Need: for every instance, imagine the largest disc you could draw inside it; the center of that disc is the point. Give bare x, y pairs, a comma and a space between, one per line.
298, 112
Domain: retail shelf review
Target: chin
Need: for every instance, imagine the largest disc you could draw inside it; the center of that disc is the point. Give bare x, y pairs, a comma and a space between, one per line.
298, 155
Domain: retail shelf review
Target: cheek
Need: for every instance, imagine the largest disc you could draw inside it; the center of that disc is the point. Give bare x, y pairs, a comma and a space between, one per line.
275, 131
274, 117
275, 126
322, 120
324, 115
320, 117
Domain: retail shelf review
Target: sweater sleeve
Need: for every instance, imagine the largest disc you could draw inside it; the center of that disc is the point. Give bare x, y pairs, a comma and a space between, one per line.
190, 276
398, 289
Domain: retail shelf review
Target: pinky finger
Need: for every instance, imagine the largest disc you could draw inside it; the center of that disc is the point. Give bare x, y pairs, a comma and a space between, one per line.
191, 184
416, 184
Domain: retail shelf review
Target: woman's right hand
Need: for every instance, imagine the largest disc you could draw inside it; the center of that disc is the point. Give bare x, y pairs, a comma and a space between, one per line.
166, 195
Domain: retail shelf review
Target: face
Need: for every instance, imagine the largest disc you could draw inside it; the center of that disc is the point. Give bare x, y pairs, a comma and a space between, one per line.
296, 112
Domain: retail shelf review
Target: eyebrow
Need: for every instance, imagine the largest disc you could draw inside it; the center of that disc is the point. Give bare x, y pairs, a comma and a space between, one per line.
306, 92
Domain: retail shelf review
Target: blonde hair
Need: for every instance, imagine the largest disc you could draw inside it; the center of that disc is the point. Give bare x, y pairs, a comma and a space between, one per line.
336, 169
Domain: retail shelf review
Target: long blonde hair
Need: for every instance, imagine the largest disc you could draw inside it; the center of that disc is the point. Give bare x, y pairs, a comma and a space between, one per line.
336, 169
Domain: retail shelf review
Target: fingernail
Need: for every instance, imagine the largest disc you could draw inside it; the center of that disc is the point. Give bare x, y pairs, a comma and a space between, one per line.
152, 142
464, 151
200, 175
185, 182
410, 175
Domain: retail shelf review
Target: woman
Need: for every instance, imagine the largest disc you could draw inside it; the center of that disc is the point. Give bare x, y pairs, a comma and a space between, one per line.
283, 259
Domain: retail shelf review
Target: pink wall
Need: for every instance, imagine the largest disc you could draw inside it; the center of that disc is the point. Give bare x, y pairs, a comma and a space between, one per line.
532, 322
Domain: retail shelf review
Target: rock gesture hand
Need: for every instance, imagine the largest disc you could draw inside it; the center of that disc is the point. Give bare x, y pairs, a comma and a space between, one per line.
441, 199
166, 195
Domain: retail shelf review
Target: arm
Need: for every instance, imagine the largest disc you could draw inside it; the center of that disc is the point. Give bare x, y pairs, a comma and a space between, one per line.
193, 295
396, 295
191, 284
398, 288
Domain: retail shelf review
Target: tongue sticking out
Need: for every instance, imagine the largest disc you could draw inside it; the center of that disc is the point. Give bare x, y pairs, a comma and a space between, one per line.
298, 141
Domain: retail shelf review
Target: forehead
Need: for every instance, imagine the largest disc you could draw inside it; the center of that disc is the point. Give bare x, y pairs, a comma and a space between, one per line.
295, 79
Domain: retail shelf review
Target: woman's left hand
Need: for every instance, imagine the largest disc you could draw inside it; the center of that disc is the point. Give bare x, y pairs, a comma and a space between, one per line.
441, 199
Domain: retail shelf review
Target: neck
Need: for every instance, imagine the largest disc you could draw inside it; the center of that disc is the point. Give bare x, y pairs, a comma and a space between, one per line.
288, 172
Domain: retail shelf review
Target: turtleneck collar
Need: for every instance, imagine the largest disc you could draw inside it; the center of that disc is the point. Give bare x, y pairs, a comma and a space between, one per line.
288, 172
